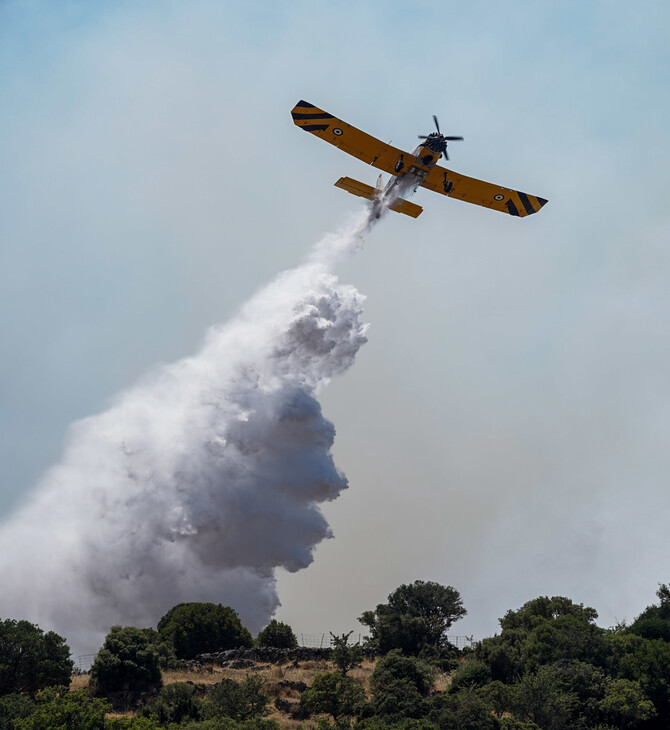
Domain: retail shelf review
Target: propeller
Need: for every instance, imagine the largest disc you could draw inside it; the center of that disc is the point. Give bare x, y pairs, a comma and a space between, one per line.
437, 141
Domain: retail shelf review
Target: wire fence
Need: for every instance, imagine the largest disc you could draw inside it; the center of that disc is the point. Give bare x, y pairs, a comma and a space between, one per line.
326, 640
84, 662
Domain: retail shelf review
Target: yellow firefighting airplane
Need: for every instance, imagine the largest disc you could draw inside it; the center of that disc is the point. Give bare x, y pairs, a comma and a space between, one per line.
411, 170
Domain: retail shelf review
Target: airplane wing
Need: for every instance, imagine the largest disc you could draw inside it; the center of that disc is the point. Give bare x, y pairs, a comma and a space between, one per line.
482, 193
349, 139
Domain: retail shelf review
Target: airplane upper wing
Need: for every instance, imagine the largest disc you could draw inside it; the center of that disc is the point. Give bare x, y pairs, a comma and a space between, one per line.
347, 138
482, 193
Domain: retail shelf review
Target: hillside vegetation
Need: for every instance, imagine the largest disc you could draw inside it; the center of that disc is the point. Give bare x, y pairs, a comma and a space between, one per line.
551, 667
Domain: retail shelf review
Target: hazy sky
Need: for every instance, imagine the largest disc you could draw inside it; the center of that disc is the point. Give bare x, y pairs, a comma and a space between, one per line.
505, 429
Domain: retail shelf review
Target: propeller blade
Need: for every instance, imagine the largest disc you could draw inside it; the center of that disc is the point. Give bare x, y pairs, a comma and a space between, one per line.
453, 139
422, 136
437, 124
446, 156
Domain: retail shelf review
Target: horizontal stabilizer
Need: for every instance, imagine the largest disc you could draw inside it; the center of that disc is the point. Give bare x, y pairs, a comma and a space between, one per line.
404, 206
356, 188
369, 193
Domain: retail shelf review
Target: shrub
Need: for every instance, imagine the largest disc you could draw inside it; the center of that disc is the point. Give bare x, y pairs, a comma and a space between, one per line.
470, 673
14, 707
31, 660
345, 656
332, 694
175, 703
199, 628
396, 666
126, 662
243, 701
278, 635
65, 710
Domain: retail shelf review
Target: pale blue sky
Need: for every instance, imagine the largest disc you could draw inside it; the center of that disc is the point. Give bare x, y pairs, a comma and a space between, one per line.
505, 428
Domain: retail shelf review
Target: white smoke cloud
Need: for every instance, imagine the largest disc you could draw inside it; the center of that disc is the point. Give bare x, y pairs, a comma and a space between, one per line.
199, 482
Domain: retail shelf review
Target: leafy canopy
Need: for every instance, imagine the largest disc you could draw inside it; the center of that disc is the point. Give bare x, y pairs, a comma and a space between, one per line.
200, 628
277, 635
416, 616
31, 660
332, 694
127, 661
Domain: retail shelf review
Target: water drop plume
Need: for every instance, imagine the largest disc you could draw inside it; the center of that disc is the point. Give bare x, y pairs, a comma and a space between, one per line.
201, 480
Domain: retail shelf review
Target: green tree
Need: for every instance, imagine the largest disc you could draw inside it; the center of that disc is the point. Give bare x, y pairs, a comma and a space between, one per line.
654, 621
200, 628
30, 659
332, 694
626, 704
541, 698
345, 656
126, 662
58, 710
243, 701
539, 610
278, 635
416, 616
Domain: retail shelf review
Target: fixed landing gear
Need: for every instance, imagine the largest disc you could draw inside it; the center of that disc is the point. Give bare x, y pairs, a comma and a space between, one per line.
448, 185
399, 164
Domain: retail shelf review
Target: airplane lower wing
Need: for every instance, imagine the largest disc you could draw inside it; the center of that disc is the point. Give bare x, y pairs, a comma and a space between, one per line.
349, 139
481, 193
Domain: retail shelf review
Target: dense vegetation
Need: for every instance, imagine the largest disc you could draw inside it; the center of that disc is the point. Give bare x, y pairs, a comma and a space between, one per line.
551, 667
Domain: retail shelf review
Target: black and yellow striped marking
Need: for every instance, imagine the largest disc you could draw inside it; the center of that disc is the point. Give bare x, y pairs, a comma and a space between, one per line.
385, 157
524, 204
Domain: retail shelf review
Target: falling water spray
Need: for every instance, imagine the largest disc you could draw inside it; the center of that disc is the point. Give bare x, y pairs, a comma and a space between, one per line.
201, 480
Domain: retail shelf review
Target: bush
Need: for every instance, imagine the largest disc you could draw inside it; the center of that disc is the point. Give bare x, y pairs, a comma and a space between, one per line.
397, 699
126, 662
332, 694
238, 701
31, 660
345, 656
201, 628
227, 723
396, 666
470, 673
277, 635
175, 703
14, 707
65, 710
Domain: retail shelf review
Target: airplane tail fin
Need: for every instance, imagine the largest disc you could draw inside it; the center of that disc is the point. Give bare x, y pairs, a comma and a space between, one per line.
369, 193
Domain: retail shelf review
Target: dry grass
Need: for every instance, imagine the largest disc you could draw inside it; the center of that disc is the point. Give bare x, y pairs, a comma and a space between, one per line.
79, 681
271, 675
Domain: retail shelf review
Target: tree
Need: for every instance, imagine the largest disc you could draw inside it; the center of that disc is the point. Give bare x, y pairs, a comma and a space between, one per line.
30, 659
200, 628
654, 621
332, 694
416, 616
56, 709
278, 635
539, 610
345, 656
126, 662
626, 704
540, 697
